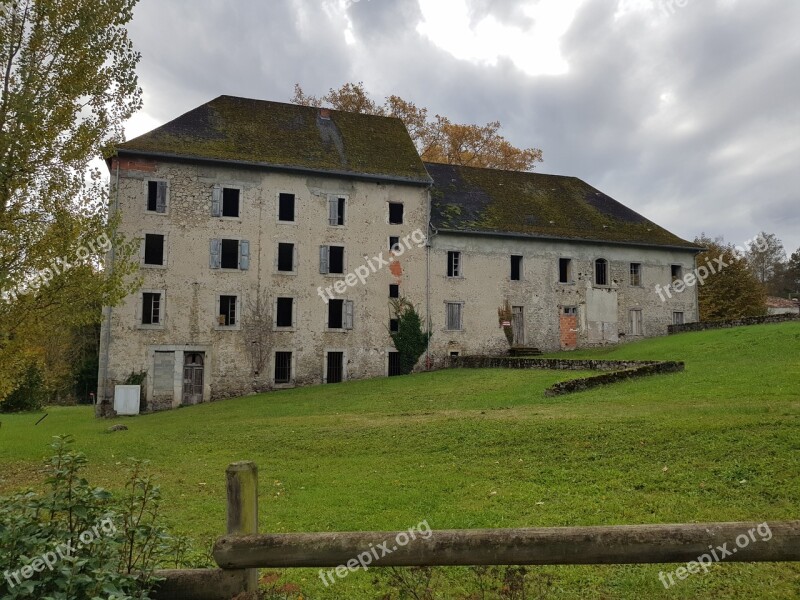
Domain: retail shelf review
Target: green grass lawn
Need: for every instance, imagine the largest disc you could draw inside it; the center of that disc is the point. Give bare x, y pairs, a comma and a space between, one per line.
485, 448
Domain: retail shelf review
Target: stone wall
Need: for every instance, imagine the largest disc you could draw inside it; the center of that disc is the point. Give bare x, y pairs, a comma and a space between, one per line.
615, 370
732, 323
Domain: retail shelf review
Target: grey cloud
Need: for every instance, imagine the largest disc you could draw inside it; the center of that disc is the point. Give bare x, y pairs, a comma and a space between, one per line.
721, 158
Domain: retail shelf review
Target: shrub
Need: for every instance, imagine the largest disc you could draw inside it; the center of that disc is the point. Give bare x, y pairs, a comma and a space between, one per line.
409, 340
75, 541
29, 395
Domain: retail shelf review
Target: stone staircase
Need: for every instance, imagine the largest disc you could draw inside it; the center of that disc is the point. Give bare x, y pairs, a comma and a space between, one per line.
524, 351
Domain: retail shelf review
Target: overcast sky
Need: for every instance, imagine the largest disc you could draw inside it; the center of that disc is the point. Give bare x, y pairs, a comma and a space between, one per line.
688, 111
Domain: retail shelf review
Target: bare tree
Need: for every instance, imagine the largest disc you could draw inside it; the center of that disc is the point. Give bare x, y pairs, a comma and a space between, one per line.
257, 326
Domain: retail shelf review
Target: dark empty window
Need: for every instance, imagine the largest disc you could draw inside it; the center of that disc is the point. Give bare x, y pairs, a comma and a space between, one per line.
283, 367
394, 325
335, 314
284, 312
153, 249
229, 253
394, 243
230, 202
565, 270
516, 268
151, 308
601, 271
677, 318
677, 272
336, 259
454, 264
227, 311
335, 367
394, 290
286, 207
285, 257
395, 213
394, 364
636, 274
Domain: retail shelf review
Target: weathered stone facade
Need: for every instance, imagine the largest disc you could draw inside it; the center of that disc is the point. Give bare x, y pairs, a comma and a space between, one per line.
231, 305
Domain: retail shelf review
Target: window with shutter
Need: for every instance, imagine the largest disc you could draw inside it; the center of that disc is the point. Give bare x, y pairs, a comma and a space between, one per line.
323, 259
244, 255
336, 210
214, 260
453, 316
347, 318
216, 201
161, 198
156, 192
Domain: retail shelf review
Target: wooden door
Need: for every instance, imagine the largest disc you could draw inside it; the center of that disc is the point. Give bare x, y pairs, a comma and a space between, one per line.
193, 378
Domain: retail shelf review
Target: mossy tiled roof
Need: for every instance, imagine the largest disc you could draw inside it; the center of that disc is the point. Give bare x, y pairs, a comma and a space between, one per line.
288, 136
491, 201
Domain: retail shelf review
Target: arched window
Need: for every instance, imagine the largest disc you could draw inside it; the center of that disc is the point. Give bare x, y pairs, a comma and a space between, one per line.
601, 271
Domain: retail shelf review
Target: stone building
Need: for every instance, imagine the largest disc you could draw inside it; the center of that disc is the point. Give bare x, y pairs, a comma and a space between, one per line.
274, 237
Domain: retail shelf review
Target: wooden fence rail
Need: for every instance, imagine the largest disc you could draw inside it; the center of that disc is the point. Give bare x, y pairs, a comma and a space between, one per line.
243, 551
624, 544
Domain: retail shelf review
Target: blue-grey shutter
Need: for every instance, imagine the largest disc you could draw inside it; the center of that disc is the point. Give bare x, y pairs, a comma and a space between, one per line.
244, 255
347, 318
214, 257
333, 210
323, 259
216, 201
161, 197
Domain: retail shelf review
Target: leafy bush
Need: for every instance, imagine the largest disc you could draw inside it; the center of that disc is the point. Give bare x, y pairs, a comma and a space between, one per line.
409, 340
29, 395
76, 542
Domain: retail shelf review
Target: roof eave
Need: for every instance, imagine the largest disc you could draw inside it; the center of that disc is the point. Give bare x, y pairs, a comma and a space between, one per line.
427, 181
537, 236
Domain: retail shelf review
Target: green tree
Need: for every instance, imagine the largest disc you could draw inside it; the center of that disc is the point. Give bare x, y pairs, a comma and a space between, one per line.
68, 84
732, 291
437, 138
410, 339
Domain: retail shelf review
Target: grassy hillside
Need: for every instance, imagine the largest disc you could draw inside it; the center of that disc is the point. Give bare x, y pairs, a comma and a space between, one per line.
463, 449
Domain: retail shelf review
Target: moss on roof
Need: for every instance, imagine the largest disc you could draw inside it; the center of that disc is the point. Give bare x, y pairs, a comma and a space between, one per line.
511, 202
288, 135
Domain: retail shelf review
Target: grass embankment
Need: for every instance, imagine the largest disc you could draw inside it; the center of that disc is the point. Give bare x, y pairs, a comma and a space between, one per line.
465, 449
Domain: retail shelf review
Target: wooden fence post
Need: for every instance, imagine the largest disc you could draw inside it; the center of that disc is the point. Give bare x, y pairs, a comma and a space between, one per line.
242, 485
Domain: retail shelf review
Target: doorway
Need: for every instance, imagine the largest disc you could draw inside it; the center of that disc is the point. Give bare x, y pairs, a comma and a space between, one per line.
193, 378
518, 325
568, 324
